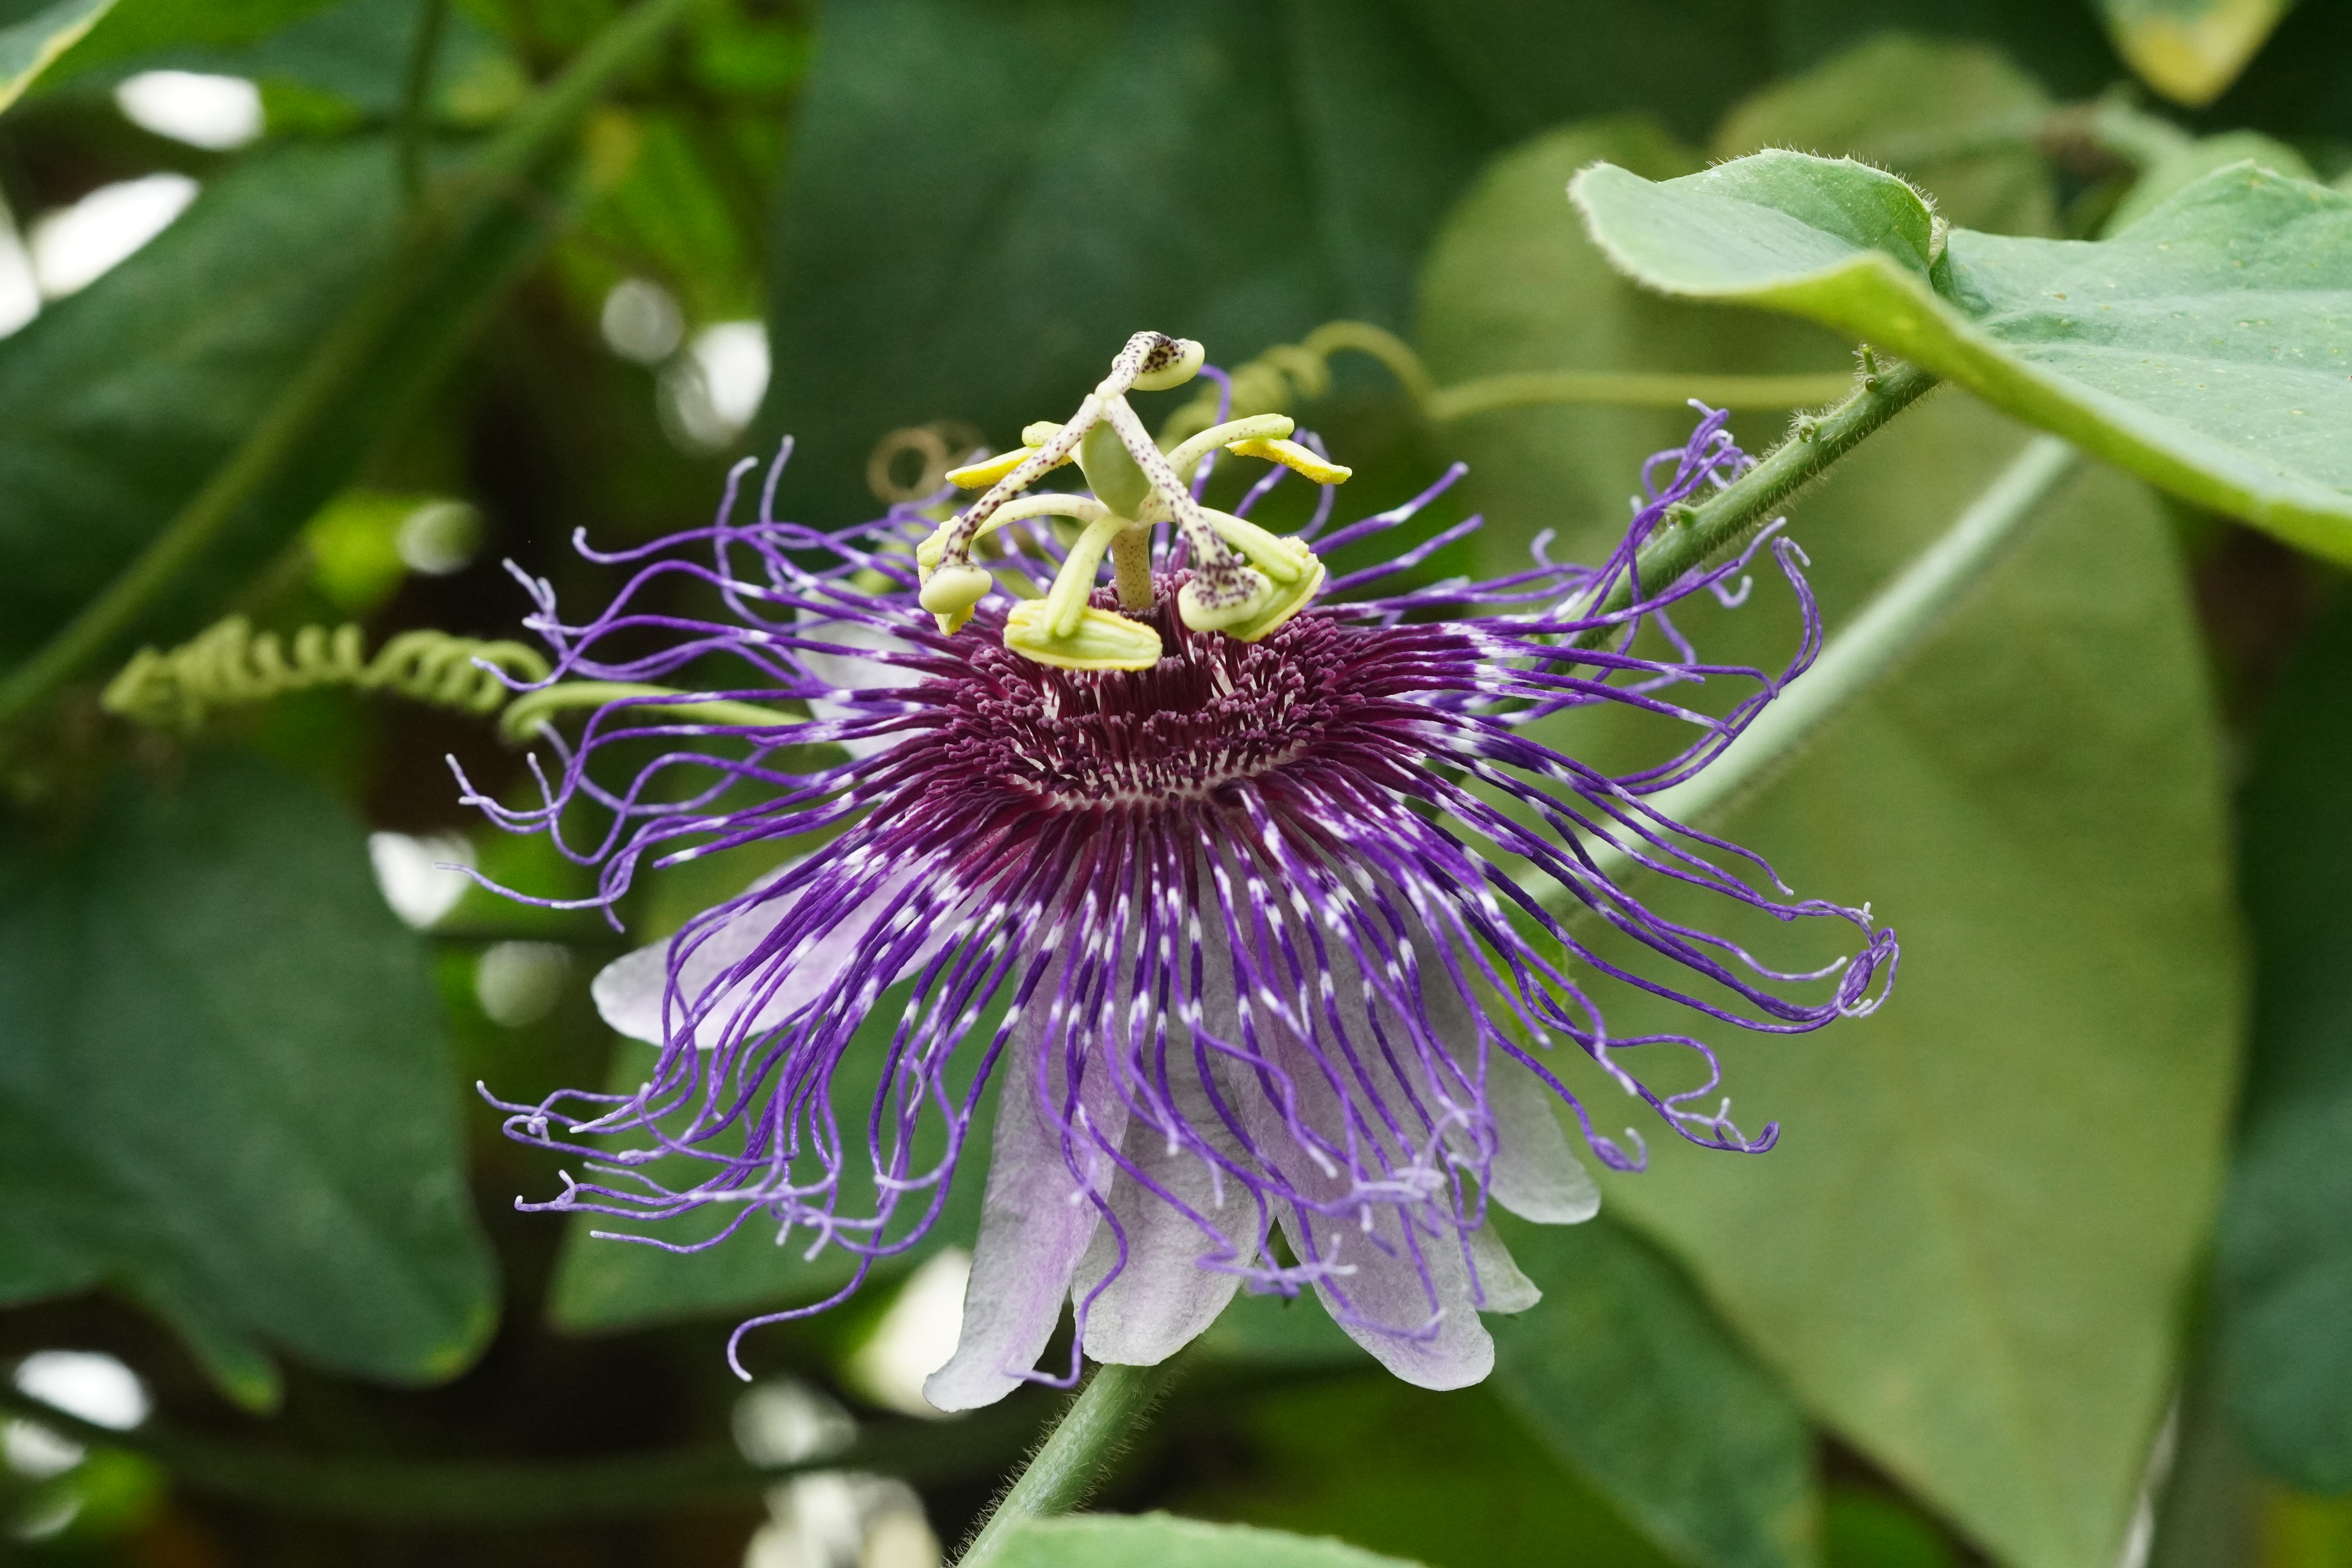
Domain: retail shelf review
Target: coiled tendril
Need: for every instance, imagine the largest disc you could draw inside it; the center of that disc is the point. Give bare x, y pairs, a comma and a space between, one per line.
230, 663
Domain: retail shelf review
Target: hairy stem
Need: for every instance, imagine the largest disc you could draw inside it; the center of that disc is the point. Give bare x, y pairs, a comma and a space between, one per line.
1082, 1442
342, 359
1693, 535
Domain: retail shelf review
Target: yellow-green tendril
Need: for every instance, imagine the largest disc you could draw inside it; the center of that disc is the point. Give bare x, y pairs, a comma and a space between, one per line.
530, 710
231, 664
1290, 373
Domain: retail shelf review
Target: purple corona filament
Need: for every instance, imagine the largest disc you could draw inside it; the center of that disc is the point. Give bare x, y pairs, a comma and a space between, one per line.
1231, 933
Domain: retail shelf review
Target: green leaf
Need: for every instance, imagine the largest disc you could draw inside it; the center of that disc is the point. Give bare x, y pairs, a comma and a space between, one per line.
130, 28
2283, 1273
1232, 172
354, 51
2199, 158
2189, 51
2206, 348
226, 1091
1163, 1541
121, 401
1921, 107
1624, 1374
1966, 1253
30, 47
1449, 1479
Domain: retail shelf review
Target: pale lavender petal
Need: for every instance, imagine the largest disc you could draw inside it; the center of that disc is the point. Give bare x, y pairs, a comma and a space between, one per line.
629, 990
1505, 1287
851, 673
1035, 1222
1171, 1286
1535, 1174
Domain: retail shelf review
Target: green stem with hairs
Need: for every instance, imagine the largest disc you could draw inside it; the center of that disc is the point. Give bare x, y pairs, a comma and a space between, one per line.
1072, 1459
436, 230
1692, 535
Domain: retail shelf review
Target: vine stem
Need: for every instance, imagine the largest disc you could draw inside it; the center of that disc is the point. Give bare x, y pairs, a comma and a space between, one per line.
1694, 534
343, 356
1072, 1457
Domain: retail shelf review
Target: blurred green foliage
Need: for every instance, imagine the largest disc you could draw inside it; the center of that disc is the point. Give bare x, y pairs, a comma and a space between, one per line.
1944, 1320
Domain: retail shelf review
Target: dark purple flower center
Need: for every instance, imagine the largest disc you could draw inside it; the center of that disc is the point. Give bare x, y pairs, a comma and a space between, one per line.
1213, 710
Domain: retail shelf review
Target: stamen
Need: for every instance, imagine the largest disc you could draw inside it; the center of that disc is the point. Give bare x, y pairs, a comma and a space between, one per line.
1244, 582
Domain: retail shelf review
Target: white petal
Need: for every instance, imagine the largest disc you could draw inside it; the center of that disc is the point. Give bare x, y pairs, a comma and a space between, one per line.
1535, 1174
1507, 1289
1035, 1222
851, 673
1163, 1299
1424, 1329
629, 992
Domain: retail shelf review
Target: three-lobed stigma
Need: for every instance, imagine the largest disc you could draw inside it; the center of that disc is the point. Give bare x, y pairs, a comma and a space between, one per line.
1244, 582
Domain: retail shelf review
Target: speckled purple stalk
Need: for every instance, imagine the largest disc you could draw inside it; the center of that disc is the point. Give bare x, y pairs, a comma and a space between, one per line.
1257, 971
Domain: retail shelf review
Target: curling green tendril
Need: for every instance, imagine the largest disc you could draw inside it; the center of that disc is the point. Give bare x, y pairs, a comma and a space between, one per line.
230, 664
1290, 373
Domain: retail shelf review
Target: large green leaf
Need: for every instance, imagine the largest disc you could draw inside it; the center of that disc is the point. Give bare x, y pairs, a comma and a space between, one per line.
130, 28
1970, 1248
30, 47
1920, 106
1967, 1252
2208, 347
226, 1092
1163, 1541
1239, 174
122, 400
1450, 1479
2285, 1269
1624, 1372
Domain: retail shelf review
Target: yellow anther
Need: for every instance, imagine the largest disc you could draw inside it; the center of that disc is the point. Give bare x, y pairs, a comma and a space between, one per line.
1281, 559
1291, 455
1286, 603
1186, 457
1205, 618
980, 474
951, 592
1101, 639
